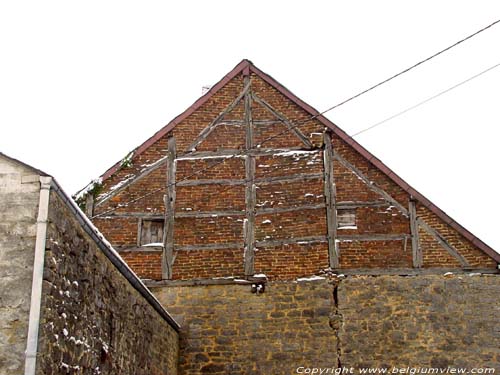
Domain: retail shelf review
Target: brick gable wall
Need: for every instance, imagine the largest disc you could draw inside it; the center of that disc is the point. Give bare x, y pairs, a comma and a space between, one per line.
289, 244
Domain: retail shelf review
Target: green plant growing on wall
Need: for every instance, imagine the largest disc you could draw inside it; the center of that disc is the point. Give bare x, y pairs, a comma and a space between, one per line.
127, 160
94, 188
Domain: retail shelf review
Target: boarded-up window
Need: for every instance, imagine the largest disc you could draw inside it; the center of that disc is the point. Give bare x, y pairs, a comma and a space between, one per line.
346, 219
151, 231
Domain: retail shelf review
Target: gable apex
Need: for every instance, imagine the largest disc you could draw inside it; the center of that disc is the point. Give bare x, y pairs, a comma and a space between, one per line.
246, 67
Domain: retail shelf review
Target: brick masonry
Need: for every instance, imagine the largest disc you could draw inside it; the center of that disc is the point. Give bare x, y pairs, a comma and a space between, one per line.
92, 320
278, 261
431, 321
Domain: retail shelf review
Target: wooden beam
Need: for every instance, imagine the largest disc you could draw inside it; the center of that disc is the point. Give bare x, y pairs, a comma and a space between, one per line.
89, 205
206, 132
442, 241
414, 271
203, 214
211, 182
274, 210
415, 238
237, 153
370, 184
291, 241
168, 235
288, 124
330, 199
290, 178
210, 246
250, 192
195, 282
348, 205
143, 173
372, 237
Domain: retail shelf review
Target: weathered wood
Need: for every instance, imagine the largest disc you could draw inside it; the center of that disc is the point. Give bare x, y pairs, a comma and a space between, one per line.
236, 153
348, 205
330, 199
206, 132
279, 209
372, 237
370, 184
288, 124
168, 236
290, 241
442, 241
211, 246
89, 205
211, 182
195, 282
146, 171
203, 214
290, 178
415, 238
413, 271
139, 230
257, 181
250, 192
142, 215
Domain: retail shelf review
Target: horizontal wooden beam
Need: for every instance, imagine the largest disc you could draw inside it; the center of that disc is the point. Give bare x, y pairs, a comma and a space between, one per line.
412, 271
194, 282
227, 153
273, 210
204, 214
291, 241
372, 237
348, 205
222, 181
211, 246
295, 177
257, 181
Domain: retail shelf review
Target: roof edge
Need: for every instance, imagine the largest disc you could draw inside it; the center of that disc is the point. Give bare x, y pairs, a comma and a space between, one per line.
378, 164
240, 67
36, 170
114, 257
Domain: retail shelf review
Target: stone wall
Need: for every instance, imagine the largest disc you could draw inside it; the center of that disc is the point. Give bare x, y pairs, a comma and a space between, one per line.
19, 192
426, 321
93, 320
382, 321
229, 330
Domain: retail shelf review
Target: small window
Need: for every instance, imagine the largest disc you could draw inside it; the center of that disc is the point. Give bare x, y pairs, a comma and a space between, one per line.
151, 231
346, 219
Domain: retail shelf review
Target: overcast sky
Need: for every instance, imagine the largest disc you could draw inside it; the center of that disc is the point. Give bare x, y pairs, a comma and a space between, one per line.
84, 82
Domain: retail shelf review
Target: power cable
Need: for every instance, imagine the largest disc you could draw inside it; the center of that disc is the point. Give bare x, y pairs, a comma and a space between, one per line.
298, 123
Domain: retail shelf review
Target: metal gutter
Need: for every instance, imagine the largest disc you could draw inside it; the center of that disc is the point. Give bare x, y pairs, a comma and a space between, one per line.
37, 282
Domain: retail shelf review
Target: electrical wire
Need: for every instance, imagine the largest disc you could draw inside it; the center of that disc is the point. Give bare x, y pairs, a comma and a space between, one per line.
299, 123
425, 101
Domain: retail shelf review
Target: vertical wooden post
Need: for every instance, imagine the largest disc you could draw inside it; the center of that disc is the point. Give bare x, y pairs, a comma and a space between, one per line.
330, 198
415, 238
168, 234
250, 192
89, 205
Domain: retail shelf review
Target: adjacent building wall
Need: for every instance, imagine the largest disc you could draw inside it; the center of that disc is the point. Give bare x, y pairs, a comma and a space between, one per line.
93, 320
19, 192
360, 321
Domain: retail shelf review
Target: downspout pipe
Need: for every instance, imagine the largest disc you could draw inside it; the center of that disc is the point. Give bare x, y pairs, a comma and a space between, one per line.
36, 286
